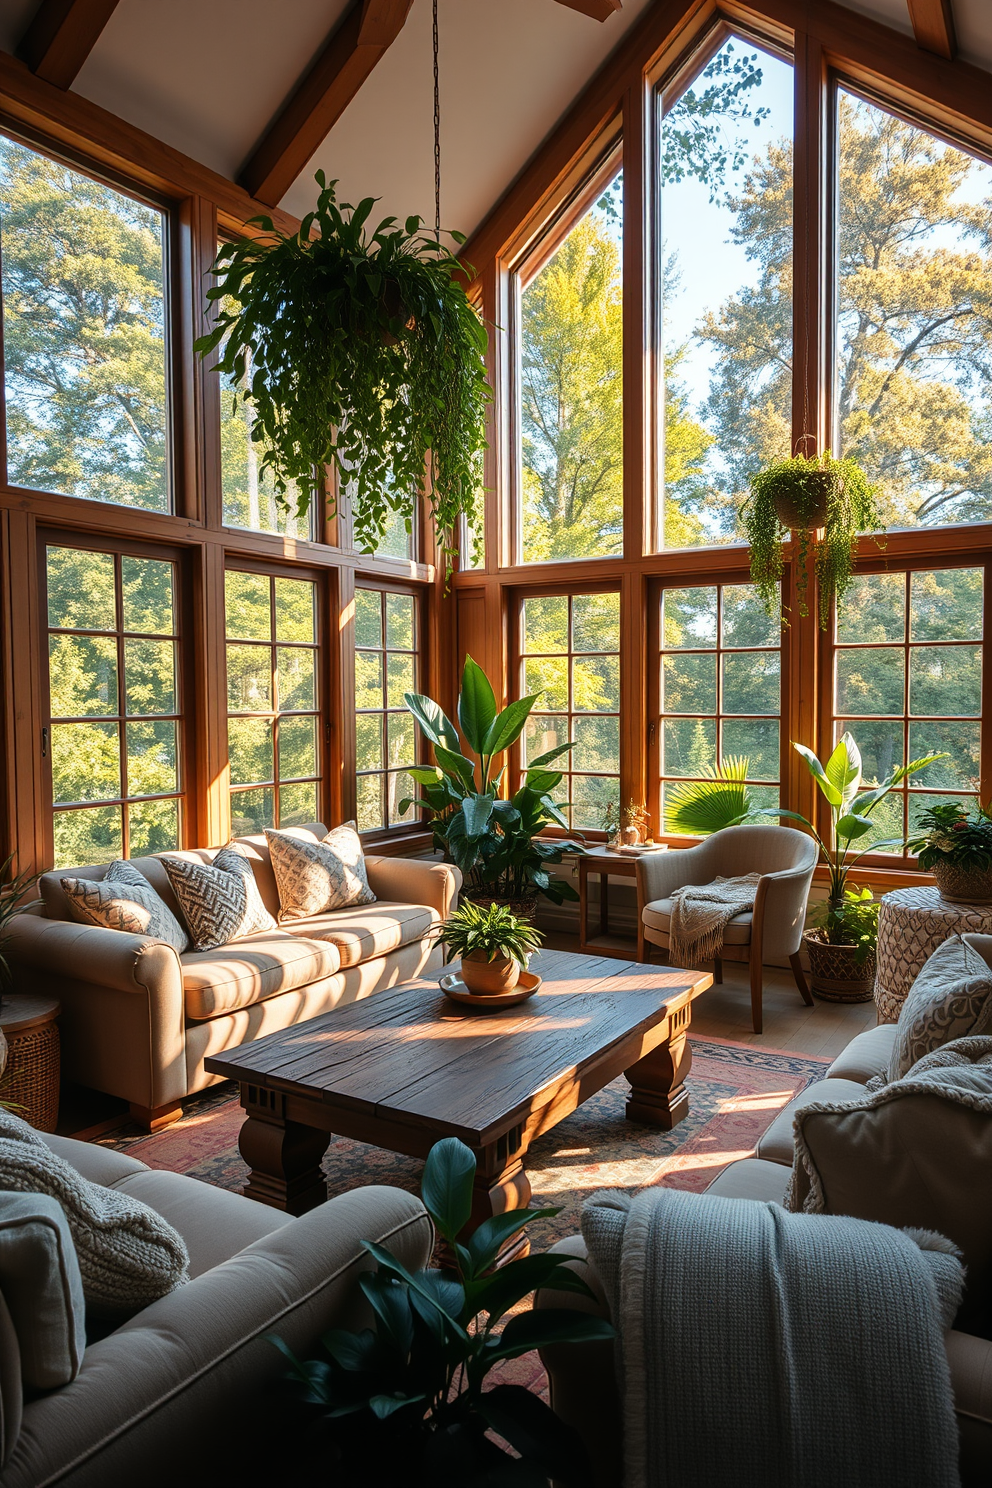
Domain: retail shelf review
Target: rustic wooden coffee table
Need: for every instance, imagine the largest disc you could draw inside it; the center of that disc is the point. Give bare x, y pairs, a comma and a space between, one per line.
404, 1068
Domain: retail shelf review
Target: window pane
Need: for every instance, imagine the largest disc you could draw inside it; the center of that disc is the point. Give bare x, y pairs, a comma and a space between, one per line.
549, 678
368, 680
297, 748
81, 590
148, 598
249, 742
399, 679
383, 677
688, 618
397, 542
251, 811
689, 684
542, 734
402, 743
368, 617
881, 746
295, 611
400, 787
370, 803
571, 393
83, 837
596, 684
758, 740
960, 741
945, 680
86, 763
871, 681
399, 621
751, 682
546, 625
726, 213
296, 681
297, 805
249, 679
249, 616
597, 745
152, 760
153, 827
249, 492
689, 746
873, 609
596, 622
150, 676
745, 619
368, 741
590, 796
946, 606
914, 354
83, 672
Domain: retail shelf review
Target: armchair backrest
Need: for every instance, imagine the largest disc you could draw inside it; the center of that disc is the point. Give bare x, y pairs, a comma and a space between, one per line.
758, 849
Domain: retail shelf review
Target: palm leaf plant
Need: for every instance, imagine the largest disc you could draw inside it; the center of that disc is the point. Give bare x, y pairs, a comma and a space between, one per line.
701, 807
495, 841
404, 1401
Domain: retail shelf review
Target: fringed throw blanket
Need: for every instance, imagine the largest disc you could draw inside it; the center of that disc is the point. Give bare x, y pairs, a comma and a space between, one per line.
701, 913
763, 1349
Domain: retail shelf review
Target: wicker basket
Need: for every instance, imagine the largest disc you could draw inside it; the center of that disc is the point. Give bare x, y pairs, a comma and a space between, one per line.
834, 973
30, 1084
959, 885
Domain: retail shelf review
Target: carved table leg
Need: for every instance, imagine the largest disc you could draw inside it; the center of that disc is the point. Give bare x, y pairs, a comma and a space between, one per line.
657, 1083
284, 1156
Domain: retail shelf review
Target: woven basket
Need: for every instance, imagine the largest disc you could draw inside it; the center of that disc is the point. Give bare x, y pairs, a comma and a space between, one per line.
961, 885
834, 973
31, 1079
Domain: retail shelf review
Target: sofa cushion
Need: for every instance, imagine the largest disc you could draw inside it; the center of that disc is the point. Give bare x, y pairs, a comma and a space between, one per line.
866, 1056
950, 999
98, 1164
658, 916
373, 930
777, 1143
124, 900
234, 976
753, 1178
214, 1223
41, 1284
315, 876
220, 900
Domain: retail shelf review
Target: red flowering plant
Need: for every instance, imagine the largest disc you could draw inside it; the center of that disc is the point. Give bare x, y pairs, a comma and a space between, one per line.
952, 833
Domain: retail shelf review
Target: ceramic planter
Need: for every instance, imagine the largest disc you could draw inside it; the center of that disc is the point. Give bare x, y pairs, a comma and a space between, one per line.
787, 509
489, 978
835, 975
962, 885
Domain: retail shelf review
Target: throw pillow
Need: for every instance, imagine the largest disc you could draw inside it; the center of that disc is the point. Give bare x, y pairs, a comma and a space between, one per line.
128, 1255
43, 1289
220, 900
316, 876
124, 900
950, 999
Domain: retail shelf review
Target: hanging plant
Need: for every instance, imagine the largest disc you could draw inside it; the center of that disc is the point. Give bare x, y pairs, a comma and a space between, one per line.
365, 353
829, 503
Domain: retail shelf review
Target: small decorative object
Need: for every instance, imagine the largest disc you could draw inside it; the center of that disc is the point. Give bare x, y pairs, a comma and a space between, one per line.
626, 826
493, 945
829, 503
13, 887
404, 1401
699, 808
955, 845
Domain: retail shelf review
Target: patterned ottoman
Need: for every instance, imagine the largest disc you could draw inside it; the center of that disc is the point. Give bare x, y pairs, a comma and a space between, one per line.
912, 923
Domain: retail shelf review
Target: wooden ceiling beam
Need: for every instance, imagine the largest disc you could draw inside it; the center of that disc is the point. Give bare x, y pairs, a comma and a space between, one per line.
321, 96
933, 26
61, 36
598, 10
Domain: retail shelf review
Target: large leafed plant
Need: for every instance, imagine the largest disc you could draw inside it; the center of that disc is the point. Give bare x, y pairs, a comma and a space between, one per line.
361, 350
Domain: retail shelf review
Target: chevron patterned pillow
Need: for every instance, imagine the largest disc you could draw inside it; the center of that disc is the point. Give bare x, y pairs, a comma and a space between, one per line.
124, 900
316, 876
219, 900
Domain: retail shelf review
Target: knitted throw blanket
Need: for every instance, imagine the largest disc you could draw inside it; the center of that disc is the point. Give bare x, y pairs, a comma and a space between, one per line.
765, 1349
128, 1255
700, 914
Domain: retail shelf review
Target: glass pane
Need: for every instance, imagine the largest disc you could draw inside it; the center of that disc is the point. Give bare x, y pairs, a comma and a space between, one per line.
945, 680
297, 805
250, 497
400, 787
368, 679
83, 837
881, 746
152, 760
297, 748
596, 622
689, 684
960, 741
80, 588
571, 392
751, 682
296, 682
757, 739
688, 746
296, 616
86, 764
148, 597
548, 678
914, 349
597, 745
726, 212
150, 676
399, 621
251, 811
591, 794
546, 625
400, 735
396, 541
368, 741
688, 618
370, 803
399, 679
745, 621
874, 609
766, 795
83, 676
946, 606
153, 826
542, 734
871, 681
249, 679
84, 335
596, 684
920, 802
368, 617
249, 617
249, 743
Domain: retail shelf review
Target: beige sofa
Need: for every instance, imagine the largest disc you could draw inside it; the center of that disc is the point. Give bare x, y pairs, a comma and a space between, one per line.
138, 1019
188, 1390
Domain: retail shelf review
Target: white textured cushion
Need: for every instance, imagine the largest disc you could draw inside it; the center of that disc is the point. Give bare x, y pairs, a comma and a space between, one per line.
220, 900
43, 1289
950, 999
124, 900
314, 877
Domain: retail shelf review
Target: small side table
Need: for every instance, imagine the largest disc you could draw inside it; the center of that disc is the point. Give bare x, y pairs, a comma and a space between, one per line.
607, 863
912, 923
31, 1079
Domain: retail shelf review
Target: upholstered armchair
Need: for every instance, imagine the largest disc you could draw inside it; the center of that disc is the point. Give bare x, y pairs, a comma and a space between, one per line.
771, 931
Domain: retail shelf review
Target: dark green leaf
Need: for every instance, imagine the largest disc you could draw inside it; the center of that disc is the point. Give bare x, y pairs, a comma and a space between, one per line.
446, 1187
476, 704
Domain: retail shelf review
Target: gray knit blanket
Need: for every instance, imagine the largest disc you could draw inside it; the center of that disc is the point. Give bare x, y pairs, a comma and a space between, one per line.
762, 1349
701, 913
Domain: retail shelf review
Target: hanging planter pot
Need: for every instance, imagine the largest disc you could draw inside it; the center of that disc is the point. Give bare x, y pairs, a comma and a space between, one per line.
805, 509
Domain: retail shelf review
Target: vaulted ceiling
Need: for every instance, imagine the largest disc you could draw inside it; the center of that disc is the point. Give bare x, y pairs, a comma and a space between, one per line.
212, 77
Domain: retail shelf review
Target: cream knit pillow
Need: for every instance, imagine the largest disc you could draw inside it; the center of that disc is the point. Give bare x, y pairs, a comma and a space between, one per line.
314, 876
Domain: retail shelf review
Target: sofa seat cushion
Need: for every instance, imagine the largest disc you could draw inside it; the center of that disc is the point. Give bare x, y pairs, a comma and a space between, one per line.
658, 916
214, 1222
235, 976
361, 934
866, 1056
753, 1178
777, 1144
98, 1164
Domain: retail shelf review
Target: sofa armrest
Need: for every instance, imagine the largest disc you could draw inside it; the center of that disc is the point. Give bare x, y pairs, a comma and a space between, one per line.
415, 881
130, 963
193, 1381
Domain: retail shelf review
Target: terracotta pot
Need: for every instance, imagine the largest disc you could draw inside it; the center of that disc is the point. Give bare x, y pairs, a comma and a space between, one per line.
834, 973
787, 508
488, 978
962, 885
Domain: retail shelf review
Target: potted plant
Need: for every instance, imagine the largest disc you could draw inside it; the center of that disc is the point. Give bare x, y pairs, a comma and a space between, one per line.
955, 845
625, 826
493, 944
494, 841
404, 1401
365, 353
829, 503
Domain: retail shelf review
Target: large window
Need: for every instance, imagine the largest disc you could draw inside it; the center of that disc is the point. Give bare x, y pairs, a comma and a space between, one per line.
84, 341
571, 657
719, 687
907, 683
273, 701
249, 492
386, 666
115, 707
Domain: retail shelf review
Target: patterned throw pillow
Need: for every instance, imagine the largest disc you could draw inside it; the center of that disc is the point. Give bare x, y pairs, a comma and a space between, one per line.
220, 900
124, 900
313, 877
950, 999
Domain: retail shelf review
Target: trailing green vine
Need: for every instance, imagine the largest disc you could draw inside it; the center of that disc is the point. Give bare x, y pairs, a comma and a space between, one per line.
365, 353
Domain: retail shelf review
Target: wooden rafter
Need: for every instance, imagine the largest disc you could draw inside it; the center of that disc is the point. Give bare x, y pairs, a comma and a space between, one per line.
61, 36
599, 10
321, 96
933, 26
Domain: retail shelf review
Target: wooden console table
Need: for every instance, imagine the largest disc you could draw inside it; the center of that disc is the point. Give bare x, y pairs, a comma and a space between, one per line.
607, 863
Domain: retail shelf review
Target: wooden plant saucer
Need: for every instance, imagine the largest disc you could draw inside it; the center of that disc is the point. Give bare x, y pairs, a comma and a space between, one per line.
453, 986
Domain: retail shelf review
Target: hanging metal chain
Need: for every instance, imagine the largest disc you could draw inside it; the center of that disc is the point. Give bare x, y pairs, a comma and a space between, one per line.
437, 139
